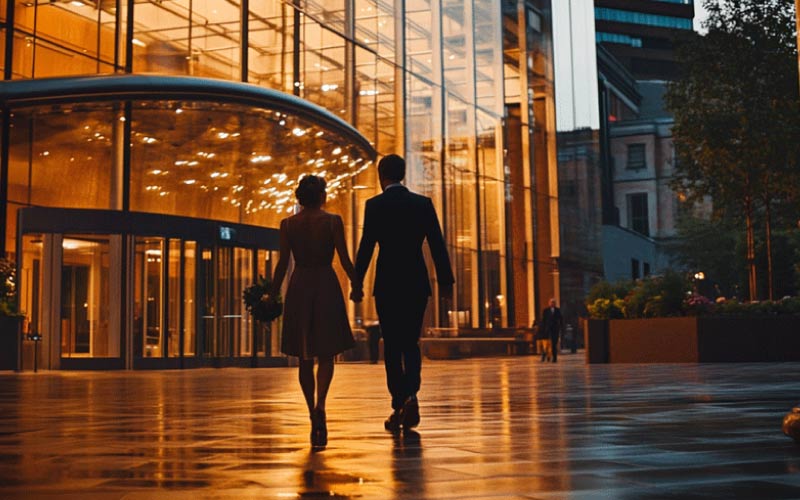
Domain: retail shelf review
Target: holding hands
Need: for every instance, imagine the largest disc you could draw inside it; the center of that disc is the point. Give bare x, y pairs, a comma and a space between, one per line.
357, 294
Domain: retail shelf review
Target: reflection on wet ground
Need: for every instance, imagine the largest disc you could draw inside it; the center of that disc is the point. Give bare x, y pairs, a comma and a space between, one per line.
509, 428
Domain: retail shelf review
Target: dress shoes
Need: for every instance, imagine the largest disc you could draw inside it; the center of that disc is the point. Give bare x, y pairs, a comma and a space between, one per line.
392, 424
410, 413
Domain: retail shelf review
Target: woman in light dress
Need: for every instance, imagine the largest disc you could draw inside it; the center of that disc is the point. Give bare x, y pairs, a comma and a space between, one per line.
315, 323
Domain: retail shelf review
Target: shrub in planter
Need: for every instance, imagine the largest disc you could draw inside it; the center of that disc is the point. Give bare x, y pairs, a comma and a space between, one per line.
698, 305
657, 296
608, 290
8, 289
606, 308
605, 299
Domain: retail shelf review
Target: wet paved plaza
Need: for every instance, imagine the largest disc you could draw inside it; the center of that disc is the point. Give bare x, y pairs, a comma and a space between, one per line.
492, 428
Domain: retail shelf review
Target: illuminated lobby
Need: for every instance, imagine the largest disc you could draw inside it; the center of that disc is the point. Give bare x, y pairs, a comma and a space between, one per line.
150, 149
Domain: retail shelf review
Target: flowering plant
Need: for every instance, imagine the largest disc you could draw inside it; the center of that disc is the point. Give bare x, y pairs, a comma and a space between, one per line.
697, 304
258, 301
8, 288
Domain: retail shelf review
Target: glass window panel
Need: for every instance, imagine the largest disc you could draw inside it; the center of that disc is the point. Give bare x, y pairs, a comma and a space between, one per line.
626, 16
242, 321
215, 39
174, 299
422, 58
229, 162
227, 325
68, 38
492, 219
456, 51
375, 26
322, 67
376, 103
53, 143
328, 12
148, 297
30, 281
264, 336
86, 298
423, 164
189, 291
271, 32
161, 38
488, 57
462, 200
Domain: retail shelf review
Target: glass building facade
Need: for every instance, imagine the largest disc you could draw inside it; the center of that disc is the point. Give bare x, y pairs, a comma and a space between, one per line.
149, 149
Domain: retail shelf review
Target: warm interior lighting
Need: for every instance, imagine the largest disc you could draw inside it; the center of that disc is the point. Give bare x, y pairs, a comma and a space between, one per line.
138, 42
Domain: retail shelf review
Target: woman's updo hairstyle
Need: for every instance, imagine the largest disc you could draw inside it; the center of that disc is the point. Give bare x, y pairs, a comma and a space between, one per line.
310, 191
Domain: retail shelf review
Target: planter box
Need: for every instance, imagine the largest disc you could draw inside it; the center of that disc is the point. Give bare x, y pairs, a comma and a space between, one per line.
10, 343
692, 340
595, 339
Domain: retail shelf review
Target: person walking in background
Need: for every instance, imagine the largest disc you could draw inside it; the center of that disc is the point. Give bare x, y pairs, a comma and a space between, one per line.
399, 221
552, 322
543, 344
315, 323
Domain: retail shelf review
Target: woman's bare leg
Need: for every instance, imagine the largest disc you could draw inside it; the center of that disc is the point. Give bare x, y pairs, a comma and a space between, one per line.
306, 373
324, 377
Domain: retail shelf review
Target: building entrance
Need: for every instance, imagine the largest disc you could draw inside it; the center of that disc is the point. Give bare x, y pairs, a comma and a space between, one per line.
102, 297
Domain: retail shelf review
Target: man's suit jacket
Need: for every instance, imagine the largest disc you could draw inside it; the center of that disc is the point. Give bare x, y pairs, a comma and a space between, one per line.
399, 221
551, 321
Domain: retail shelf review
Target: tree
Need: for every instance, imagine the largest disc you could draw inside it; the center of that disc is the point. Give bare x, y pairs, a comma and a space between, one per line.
737, 117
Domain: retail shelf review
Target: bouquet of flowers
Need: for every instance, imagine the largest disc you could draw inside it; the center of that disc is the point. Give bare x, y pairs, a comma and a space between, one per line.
258, 301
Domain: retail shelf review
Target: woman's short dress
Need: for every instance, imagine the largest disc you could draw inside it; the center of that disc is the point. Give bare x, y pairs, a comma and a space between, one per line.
315, 322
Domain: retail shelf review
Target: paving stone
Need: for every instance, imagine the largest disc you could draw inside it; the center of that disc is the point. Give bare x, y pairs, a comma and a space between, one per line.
492, 428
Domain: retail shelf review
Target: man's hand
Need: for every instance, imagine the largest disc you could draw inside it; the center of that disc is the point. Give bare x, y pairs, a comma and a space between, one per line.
357, 295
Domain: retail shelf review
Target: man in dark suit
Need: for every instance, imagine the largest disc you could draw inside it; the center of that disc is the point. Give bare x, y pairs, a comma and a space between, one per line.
399, 221
552, 323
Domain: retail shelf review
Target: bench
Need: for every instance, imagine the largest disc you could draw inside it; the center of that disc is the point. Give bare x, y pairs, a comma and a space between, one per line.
474, 342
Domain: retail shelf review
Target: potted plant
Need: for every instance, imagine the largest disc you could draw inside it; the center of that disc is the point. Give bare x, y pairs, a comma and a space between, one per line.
11, 319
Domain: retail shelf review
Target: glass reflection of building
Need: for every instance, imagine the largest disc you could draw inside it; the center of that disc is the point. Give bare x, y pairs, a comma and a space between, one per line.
139, 186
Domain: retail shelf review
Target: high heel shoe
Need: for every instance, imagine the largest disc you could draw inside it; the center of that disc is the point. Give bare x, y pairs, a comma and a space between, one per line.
319, 429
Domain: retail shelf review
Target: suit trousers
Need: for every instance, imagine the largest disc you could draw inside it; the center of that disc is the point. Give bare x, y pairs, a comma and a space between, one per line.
401, 325
554, 341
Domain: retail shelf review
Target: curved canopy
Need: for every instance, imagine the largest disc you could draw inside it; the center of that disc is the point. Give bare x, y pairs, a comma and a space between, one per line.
162, 87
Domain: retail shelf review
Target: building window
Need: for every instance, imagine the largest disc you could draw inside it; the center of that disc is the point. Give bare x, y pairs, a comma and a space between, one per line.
618, 38
638, 218
636, 156
646, 269
634, 269
629, 17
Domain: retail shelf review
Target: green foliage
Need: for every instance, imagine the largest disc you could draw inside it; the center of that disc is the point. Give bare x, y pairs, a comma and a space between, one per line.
785, 306
8, 288
737, 115
608, 290
712, 246
671, 294
657, 296
602, 308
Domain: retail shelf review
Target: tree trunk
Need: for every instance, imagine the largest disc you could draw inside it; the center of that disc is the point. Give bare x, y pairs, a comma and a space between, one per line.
797, 13
768, 223
751, 251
